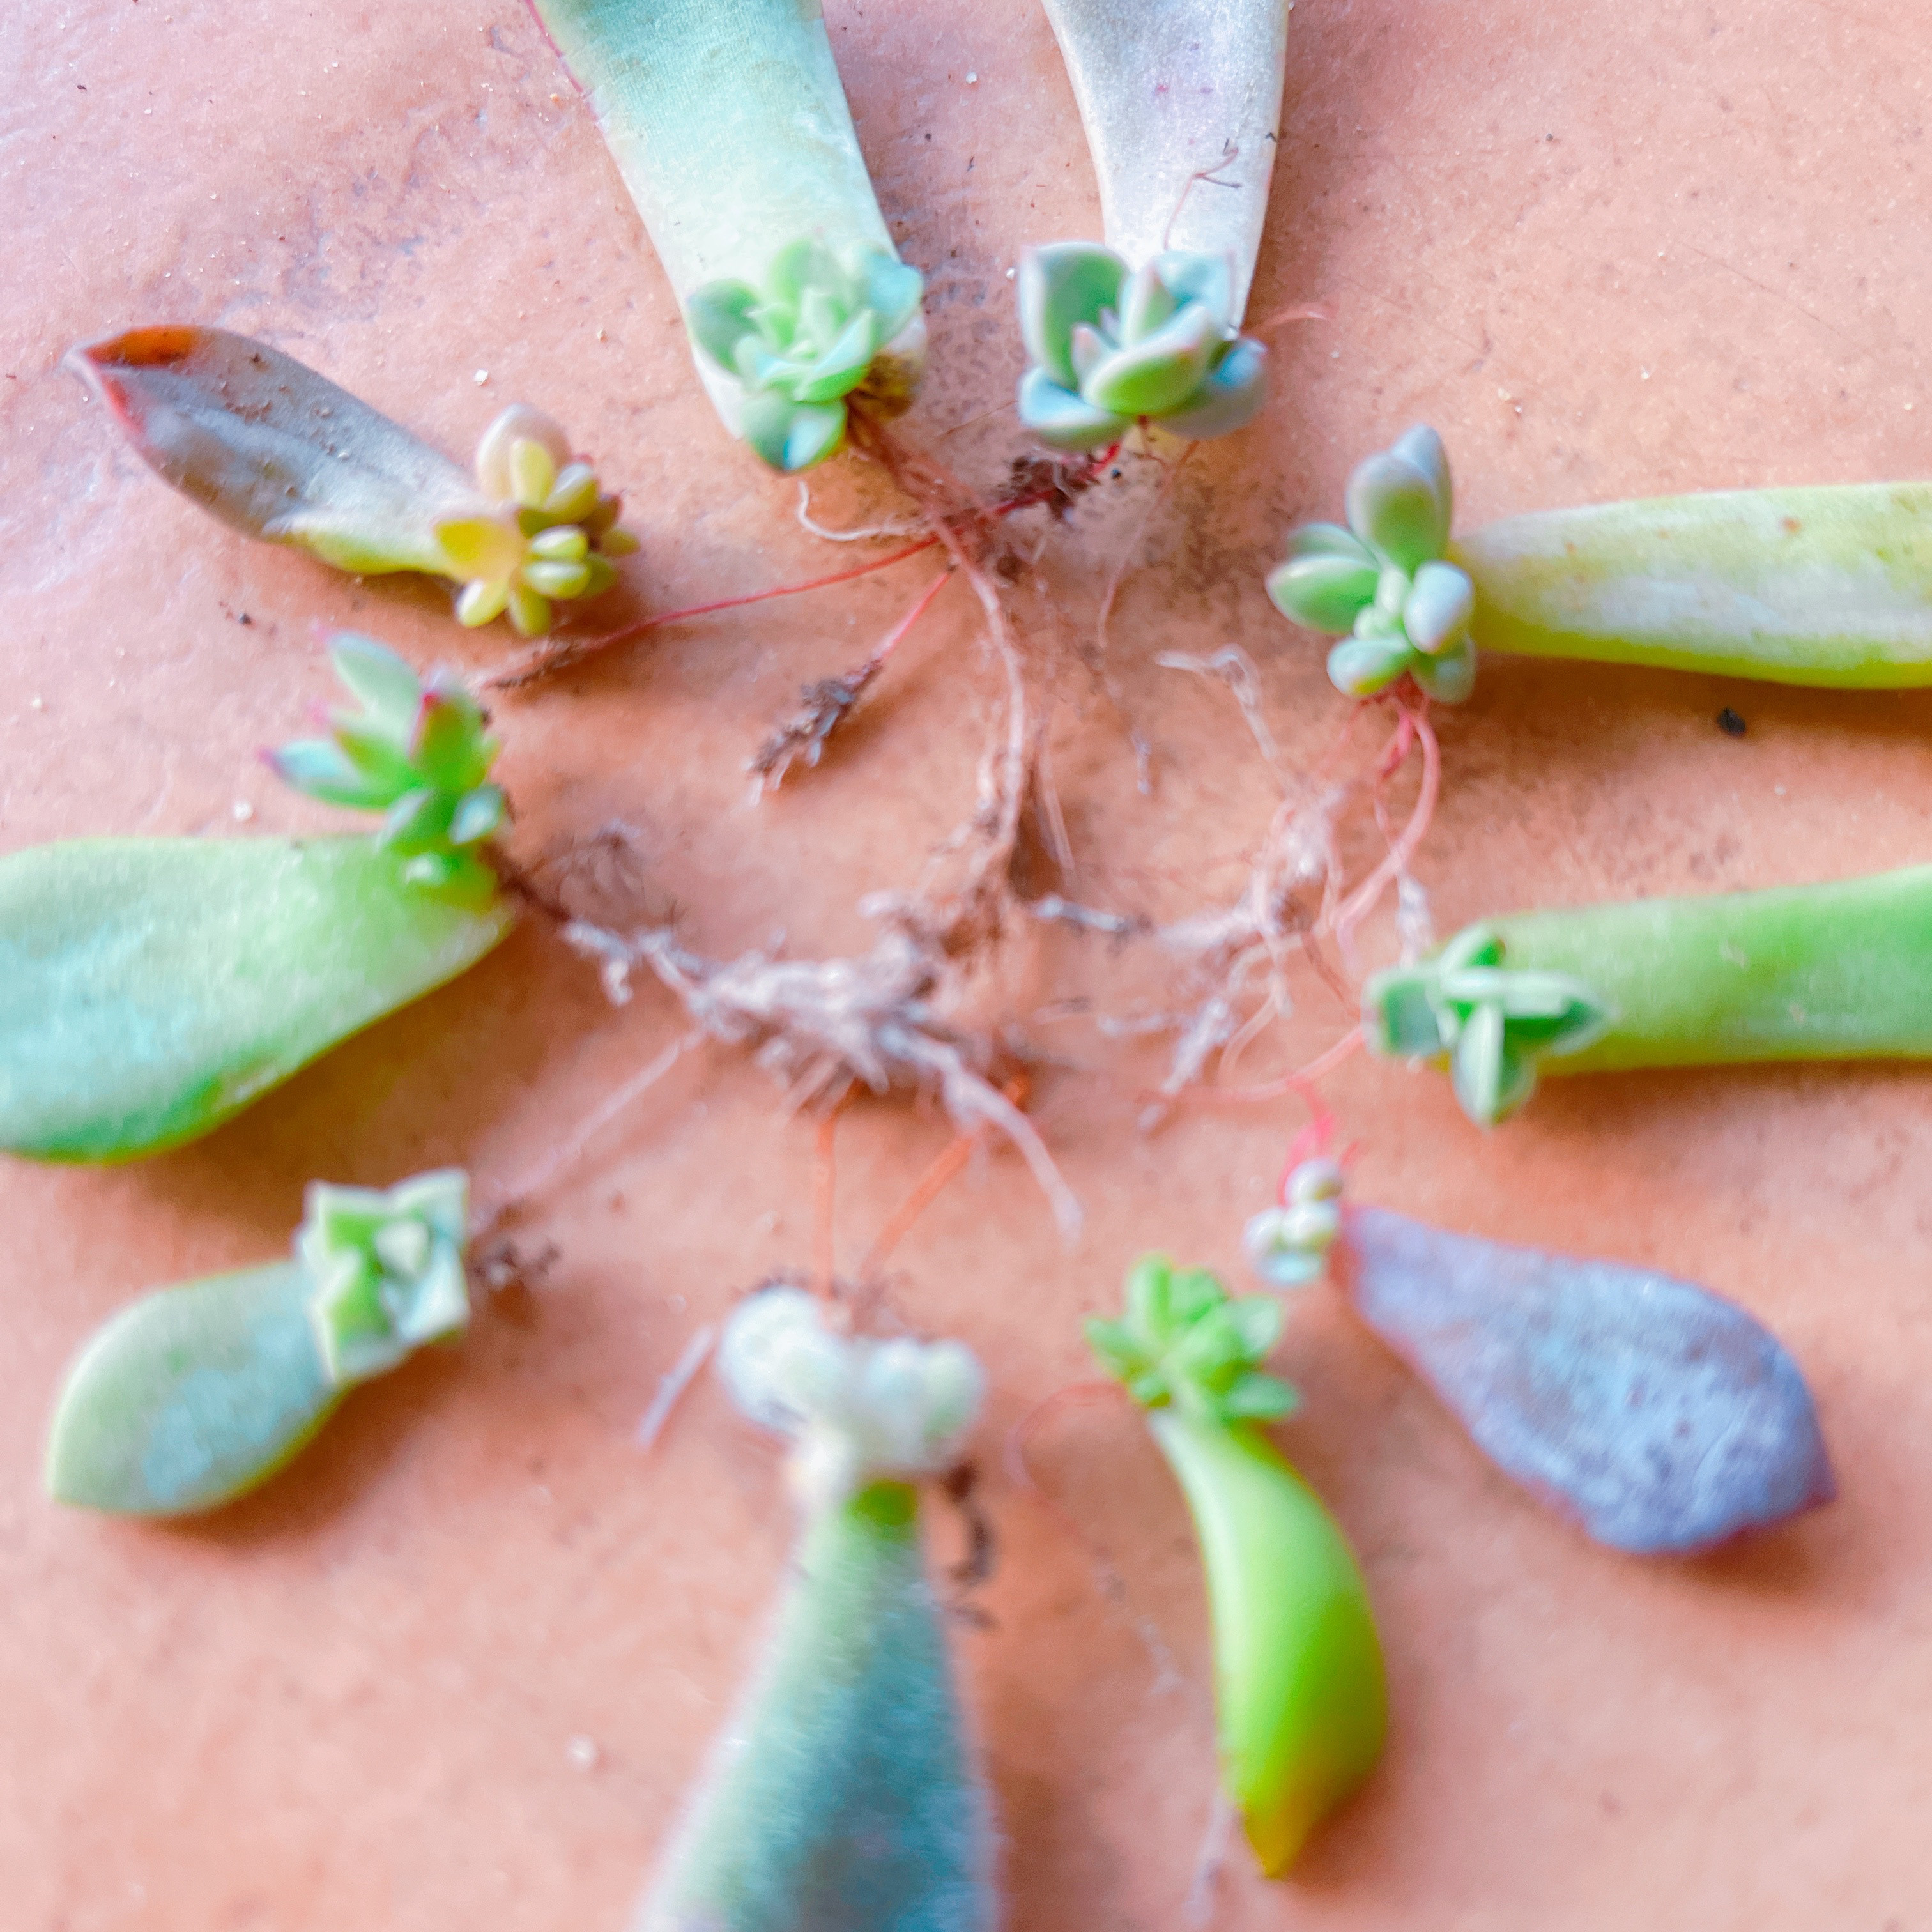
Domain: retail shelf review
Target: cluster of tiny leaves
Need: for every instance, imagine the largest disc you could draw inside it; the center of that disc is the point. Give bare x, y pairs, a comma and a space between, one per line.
419, 754
1381, 583
803, 342
386, 1268
1289, 1245
1112, 346
1493, 1021
1183, 1340
554, 537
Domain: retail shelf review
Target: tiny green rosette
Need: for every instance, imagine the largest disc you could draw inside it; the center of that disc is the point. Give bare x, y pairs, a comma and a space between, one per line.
799, 344
195, 1395
1110, 346
1382, 582
1301, 1696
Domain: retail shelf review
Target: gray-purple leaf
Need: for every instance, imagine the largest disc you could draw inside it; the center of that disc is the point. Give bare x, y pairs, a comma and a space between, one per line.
1657, 1414
272, 449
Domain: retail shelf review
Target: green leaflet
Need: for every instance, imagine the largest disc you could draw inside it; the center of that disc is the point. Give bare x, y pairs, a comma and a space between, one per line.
191, 1395
150, 988
194, 1395
842, 1796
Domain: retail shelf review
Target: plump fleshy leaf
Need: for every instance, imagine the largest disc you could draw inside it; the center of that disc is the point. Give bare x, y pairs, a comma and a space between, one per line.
1394, 505
1439, 605
1062, 417
1659, 1416
1159, 372
1229, 398
150, 988
191, 1395
1060, 286
274, 449
1360, 667
1326, 591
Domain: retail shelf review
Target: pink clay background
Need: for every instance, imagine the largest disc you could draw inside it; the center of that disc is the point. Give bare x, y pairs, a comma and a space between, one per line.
1612, 247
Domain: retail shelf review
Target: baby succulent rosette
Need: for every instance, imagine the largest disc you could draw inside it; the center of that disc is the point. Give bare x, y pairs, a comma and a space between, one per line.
1493, 1021
1382, 583
1112, 346
800, 345
552, 538
420, 754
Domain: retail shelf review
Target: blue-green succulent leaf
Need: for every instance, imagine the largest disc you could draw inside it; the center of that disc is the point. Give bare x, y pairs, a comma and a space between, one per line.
1059, 286
1361, 666
1207, 279
1146, 304
1439, 606
1451, 675
719, 317
1230, 397
1159, 372
1062, 417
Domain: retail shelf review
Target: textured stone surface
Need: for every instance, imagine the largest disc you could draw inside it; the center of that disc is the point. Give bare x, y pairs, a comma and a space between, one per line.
1613, 248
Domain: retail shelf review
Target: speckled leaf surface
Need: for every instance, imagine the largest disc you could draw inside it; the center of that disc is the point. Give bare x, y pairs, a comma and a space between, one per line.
1661, 1416
149, 988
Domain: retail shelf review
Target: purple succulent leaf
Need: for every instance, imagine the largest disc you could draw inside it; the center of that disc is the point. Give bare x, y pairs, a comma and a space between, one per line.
1660, 1416
271, 448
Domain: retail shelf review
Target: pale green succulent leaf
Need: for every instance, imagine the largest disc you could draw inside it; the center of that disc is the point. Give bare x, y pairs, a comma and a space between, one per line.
1440, 603
1059, 286
1323, 592
1159, 372
1207, 279
1392, 506
1361, 666
319, 768
1230, 398
382, 681
1399, 1014
1450, 677
1255, 1397
1421, 447
1145, 304
842, 367
1064, 418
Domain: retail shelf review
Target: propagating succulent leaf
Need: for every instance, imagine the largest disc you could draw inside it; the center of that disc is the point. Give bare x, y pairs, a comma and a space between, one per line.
1112, 347
278, 452
194, 1395
1493, 1021
1383, 582
730, 128
844, 1792
1660, 1416
1301, 1700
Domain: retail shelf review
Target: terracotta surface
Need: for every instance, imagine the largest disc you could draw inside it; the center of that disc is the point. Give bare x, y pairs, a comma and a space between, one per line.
1612, 247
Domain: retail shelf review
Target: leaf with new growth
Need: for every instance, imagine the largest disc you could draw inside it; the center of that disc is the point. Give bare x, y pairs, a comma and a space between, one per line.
276, 451
151, 988
1383, 582
1493, 1021
1110, 347
194, 1395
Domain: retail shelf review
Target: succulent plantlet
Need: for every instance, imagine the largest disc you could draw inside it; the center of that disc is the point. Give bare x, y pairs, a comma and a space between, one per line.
1841, 971
1828, 586
275, 451
1658, 1416
1301, 1695
730, 128
1112, 346
195, 1394
1146, 328
1383, 582
151, 988
843, 1793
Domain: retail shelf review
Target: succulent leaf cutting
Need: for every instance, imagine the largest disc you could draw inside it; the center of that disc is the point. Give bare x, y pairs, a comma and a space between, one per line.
1110, 347
278, 452
1382, 582
195, 1394
801, 342
1494, 1021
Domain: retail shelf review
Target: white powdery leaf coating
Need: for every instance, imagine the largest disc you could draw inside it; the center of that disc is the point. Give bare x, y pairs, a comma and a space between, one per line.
857, 1406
